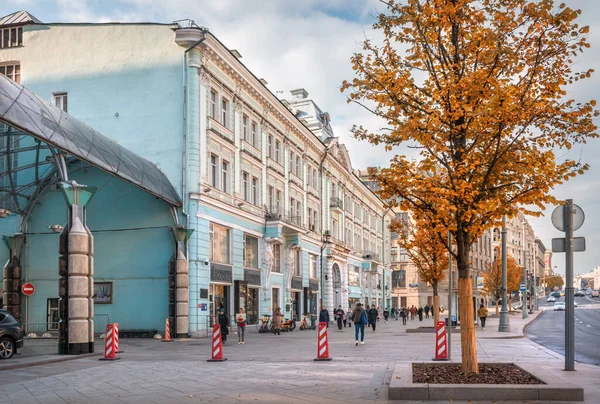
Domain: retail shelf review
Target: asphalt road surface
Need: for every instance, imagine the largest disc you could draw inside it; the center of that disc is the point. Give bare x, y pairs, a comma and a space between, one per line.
549, 329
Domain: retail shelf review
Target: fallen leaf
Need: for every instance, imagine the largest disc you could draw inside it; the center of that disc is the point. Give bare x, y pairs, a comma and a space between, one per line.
191, 396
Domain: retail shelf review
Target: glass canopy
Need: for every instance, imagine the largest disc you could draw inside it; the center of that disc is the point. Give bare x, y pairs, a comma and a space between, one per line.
33, 132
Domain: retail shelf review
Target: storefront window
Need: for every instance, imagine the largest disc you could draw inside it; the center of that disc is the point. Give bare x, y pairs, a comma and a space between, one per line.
219, 244
277, 258
250, 252
354, 275
312, 266
275, 297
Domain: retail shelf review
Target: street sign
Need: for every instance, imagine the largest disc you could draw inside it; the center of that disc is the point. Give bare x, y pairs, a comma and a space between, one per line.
28, 289
523, 287
558, 217
559, 245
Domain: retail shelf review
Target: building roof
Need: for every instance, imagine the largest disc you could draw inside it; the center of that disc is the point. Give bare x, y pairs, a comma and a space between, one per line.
19, 17
54, 129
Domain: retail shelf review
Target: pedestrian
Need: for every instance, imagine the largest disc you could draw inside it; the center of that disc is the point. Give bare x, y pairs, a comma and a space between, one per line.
386, 315
349, 316
277, 321
482, 313
324, 316
372, 317
339, 316
420, 313
412, 311
359, 318
403, 314
378, 311
426, 311
241, 325
224, 323
397, 313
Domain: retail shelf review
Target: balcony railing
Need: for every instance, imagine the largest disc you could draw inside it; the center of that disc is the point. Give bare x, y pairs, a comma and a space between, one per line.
336, 203
289, 217
370, 255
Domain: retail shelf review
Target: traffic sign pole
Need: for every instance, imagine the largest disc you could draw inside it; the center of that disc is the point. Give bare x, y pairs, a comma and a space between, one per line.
569, 298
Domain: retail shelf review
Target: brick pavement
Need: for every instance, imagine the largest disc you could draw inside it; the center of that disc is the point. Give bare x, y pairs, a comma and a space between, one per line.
267, 368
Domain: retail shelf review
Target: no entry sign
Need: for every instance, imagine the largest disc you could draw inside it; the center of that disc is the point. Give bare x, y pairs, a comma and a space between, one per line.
27, 289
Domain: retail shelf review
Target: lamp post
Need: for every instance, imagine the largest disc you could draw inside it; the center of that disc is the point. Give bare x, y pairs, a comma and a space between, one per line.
504, 324
325, 243
524, 303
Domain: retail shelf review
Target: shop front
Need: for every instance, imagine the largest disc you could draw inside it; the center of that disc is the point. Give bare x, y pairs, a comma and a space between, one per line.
296, 298
221, 277
247, 294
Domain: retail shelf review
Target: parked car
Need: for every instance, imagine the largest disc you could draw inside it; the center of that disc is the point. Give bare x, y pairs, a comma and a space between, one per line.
588, 292
579, 293
559, 306
555, 294
11, 335
551, 299
595, 293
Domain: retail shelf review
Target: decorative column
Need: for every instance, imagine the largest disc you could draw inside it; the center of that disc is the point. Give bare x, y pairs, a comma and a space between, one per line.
268, 258
181, 282
11, 276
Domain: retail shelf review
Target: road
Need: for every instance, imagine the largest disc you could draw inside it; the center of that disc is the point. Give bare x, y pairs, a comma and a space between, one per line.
549, 329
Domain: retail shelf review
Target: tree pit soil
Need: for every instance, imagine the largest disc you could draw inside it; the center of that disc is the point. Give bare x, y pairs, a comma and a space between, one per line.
489, 373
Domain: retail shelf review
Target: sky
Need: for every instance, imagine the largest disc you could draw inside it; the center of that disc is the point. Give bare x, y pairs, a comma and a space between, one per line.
308, 44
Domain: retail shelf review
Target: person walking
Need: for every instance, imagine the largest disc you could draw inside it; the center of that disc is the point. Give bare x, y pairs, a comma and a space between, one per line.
397, 313
277, 321
426, 311
240, 318
420, 313
324, 316
349, 316
412, 311
482, 313
224, 323
372, 315
403, 314
360, 319
339, 316
386, 315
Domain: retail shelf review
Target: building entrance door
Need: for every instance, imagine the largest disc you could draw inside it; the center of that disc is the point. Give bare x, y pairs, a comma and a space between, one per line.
252, 314
219, 299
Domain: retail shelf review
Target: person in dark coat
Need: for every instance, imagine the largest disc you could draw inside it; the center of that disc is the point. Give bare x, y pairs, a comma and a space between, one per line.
373, 317
426, 311
403, 314
386, 315
324, 316
339, 316
224, 323
420, 313
359, 318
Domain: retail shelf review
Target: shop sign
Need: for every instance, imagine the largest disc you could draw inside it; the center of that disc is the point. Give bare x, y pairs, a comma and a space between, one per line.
313, 285
221, 273
252, 276
297, 283
413, 285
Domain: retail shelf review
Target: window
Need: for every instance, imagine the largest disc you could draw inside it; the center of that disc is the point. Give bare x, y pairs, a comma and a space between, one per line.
276, 258
335, 228
299, 212
245, 186
220, 244
275, 298
310, 218
291, 165
225, 112
292, 206
214, 173
254, 135
213, 104
399, 279
12, 71
297, 263
270, 146
11, 37
60, 100
278, 199
271, 196
353, 275
309, 180
312, 266
250, 252
278, 151
245, 134
225, 176
298, 167
255, 198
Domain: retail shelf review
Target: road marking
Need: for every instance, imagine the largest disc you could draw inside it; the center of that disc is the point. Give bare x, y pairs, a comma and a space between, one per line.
581, 322
587, 325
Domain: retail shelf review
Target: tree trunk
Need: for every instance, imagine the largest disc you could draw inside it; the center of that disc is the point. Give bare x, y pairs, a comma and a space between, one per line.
497, 308
465, 303
436, 303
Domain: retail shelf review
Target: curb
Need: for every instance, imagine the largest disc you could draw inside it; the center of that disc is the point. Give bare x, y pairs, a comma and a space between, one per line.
48, 361
524, 330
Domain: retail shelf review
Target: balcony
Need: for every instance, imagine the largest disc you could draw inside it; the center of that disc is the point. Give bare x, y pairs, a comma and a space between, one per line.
291, 222
336, 204
370, 255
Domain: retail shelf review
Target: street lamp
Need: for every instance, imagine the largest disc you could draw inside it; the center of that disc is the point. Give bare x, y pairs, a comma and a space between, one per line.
524, 303
325, 243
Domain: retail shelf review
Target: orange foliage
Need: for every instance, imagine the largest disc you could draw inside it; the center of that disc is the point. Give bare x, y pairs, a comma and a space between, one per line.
492, 276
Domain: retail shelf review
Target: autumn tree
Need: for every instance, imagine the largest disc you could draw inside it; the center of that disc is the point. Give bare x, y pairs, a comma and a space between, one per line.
492, 276
554, 282
479, 88
426, 253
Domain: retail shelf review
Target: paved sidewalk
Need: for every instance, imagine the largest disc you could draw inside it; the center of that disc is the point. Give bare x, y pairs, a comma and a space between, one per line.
267, 368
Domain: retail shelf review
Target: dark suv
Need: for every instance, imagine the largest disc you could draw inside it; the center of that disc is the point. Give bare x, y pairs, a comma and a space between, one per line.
11, 335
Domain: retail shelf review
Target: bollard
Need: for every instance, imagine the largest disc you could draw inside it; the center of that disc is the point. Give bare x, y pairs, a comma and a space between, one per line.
322, 343
217, 345
167, 332
109, 345
116, 330
441, 344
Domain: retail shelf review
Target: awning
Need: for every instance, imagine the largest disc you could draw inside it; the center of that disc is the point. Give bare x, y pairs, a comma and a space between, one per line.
32, 131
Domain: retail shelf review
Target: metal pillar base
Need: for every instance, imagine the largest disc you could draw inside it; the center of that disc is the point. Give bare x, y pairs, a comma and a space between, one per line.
504, 325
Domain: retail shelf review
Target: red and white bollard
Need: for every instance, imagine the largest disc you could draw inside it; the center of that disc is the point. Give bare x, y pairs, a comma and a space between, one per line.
109, 345
441, 343
322, 343
116, 331
217, 345
167, 332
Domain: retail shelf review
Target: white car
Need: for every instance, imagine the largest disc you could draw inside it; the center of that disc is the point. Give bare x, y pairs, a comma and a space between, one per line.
559, 306
551, 299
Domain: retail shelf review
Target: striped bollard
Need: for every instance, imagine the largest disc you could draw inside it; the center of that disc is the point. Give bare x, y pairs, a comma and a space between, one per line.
116, 331
323, 343
109, 345
217, 345
167, 332
441, 343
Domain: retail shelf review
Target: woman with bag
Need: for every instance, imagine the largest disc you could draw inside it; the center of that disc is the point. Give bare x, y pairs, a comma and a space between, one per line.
241, 325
